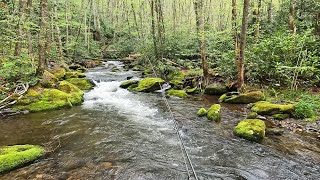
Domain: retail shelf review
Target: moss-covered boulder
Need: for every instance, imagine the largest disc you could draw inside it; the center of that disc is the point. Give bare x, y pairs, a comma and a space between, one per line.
39, 99
12, 157
281, 116
251, 129
115, 69
127, 84
177, 93
245, 98
48, 80
176, 75
149, 85
176, 84
74, 74
81, 83
58, 72
202, 112
194, 90
214, 113
215, 89
267, 108
75, 94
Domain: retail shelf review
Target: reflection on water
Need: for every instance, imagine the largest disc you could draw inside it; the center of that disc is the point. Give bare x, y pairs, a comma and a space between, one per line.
117, 134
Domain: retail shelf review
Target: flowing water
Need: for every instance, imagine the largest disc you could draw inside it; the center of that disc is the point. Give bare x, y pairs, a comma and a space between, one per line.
117, 134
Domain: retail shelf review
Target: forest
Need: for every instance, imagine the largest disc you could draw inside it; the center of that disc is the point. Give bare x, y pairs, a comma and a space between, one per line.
256, 61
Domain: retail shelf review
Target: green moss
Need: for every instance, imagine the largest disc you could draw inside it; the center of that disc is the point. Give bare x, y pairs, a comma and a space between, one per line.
176, 84
12, 157
149, 85
177, 93
127, 84
81, 83
82, 69
214, 113
267, 108
202, 112
115, 69
76, 95
252, 115
251, 129
48, 80
74, 74
193, 90
281, 116
246, 98
215, 89
132, 86
176, 75
137, 68
58, 72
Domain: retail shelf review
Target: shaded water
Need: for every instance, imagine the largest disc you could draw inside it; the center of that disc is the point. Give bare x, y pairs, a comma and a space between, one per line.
117, 134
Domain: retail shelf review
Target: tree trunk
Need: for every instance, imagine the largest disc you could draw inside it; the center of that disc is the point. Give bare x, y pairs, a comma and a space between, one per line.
199, 11
58, 36
235, 31
258, 14
18, 46
270, 11
153, 29
292, 25
43, 36
243, 38
28, 33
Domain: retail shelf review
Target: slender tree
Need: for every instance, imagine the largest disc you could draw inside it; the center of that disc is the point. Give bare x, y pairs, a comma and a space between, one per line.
18, 46
243, 38
292, 25
43, 36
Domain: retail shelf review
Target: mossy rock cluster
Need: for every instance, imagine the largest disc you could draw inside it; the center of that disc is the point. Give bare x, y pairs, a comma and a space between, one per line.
12, 157
129, 83
42, 99
177, 93
214, 113
194, 90
215, 89
267, 108
81, 83
149, 85
251, 129
245, 98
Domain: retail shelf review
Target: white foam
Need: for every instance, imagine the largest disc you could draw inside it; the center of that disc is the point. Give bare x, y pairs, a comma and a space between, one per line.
108, 95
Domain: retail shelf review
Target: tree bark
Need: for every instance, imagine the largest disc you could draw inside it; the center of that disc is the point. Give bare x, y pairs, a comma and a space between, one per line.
235, 31
243, 38
258, 14
18, 46
28, 33
292, 10
199, 11
43, 37
270, 11
153, 29
58, 36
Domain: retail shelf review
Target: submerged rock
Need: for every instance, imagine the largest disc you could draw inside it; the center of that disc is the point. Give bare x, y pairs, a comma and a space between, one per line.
215, 89
176, 84
177, 93
246, 98
251, 129
275, 131
12, 157
115, 69
149, 85
252, 115
202, 112
81, 83
127, 84
48, 80
74, 74
267, 108
214, 113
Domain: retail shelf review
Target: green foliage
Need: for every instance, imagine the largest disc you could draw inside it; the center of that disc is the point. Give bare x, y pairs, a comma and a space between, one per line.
307, 107
18, 69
